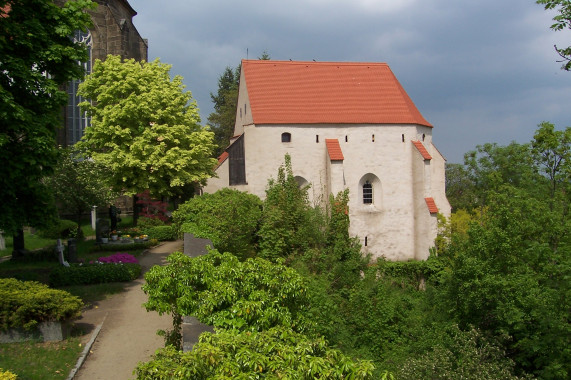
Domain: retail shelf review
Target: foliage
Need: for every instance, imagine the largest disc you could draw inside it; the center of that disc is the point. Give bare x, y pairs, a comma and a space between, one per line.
229, 218
286, 229
60, 230
562, 21
150, 208
7, 375
508, 281
25, 304
460, 188
118, 258
38, 57
144, 223
162, 233
110, 247
144, 128
275, 353
221, 291
79, 184
225, 101
96, 273
460, 354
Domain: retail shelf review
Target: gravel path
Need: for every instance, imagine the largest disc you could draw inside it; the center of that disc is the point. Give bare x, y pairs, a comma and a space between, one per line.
128, 332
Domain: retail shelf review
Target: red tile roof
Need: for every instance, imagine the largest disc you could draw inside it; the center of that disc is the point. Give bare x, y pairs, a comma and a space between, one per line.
285, 92
431, 205
334, 150
422, 150
222, 158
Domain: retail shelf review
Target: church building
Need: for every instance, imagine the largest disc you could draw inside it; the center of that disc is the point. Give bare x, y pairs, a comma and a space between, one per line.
345, 125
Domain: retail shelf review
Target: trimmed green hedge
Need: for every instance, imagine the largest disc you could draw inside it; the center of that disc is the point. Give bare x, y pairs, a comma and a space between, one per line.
115, 247
161, 233
93, 274
63, 229
24, 304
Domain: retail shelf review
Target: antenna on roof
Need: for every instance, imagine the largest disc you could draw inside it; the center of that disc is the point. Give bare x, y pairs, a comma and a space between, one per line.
246, 53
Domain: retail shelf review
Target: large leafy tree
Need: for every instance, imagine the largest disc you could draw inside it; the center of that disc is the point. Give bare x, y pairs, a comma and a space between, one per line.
562, 21
37, 57
79, 184
145, 128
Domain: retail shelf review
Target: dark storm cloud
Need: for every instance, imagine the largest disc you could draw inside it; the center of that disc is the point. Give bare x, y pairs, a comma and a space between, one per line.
478, 71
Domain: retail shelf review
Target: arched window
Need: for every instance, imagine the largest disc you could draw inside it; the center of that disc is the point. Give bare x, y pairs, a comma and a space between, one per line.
286, 137
367, 193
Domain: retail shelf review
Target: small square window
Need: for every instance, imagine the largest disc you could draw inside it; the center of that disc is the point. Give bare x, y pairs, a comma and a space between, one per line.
286, 137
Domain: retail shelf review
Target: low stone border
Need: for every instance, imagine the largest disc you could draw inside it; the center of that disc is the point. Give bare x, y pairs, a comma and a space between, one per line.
45, 331
86, 350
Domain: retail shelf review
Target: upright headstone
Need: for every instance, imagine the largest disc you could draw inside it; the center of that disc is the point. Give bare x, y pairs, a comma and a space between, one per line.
101, 229
194, 247
191, 327
72, 250
60, 249
113, 216
93, 216
2, 241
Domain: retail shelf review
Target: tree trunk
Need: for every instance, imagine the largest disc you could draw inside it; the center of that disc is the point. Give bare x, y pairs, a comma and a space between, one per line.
135, 210
19, 248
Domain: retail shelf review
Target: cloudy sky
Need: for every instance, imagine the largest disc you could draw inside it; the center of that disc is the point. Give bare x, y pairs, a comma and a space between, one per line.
479, 71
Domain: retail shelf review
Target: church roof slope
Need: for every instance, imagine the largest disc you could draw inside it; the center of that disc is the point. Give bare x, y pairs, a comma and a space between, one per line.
286, 92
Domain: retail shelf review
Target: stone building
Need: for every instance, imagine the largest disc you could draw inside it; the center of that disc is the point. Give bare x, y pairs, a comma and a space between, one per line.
345, 126
113, 32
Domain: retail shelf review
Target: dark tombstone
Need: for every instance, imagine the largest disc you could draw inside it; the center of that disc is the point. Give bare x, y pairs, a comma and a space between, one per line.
194, 247
72, 250
113, 216
101, 229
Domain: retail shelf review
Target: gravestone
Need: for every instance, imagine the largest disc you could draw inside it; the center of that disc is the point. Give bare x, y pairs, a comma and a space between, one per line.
2, 241
101, 229
191, 327
60, 249
72, 250
194, 247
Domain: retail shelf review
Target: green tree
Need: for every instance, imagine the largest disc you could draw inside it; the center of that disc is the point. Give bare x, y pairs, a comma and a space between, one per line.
37, 57
287, 227
229, 218
144, 128
79, 184
562, 21
222, 291
225, 101
278, 353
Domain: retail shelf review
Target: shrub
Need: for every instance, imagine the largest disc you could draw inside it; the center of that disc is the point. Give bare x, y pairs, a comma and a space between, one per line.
229, 218
7, 375
24, 304
162, 233
94, 274
124, 247
62, 229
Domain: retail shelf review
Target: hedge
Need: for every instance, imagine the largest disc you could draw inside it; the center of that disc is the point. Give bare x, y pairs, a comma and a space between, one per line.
62, 229
161, 233
24, 304
93, 274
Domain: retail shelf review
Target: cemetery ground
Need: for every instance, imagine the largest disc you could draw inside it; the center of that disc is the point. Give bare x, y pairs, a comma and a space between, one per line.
119, 304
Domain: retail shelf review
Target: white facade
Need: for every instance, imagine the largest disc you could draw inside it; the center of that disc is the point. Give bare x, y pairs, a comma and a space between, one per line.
398, 223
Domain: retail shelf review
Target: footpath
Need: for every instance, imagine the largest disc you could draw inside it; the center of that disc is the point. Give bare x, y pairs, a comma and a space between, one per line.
125, 333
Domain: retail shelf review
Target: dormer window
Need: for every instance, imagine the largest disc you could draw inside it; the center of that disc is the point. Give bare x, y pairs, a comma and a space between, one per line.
286, 137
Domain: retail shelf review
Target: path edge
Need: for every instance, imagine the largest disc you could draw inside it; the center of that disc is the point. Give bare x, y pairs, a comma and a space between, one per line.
86, 350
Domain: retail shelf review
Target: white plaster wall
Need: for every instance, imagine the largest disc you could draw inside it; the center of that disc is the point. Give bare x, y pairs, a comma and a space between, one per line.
398, 225
243, 110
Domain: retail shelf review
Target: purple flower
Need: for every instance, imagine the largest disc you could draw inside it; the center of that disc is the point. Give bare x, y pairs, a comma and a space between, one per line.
118, 258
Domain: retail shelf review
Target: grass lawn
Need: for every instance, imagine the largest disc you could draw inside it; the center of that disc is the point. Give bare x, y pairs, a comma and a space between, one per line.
40, 361
32, 242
